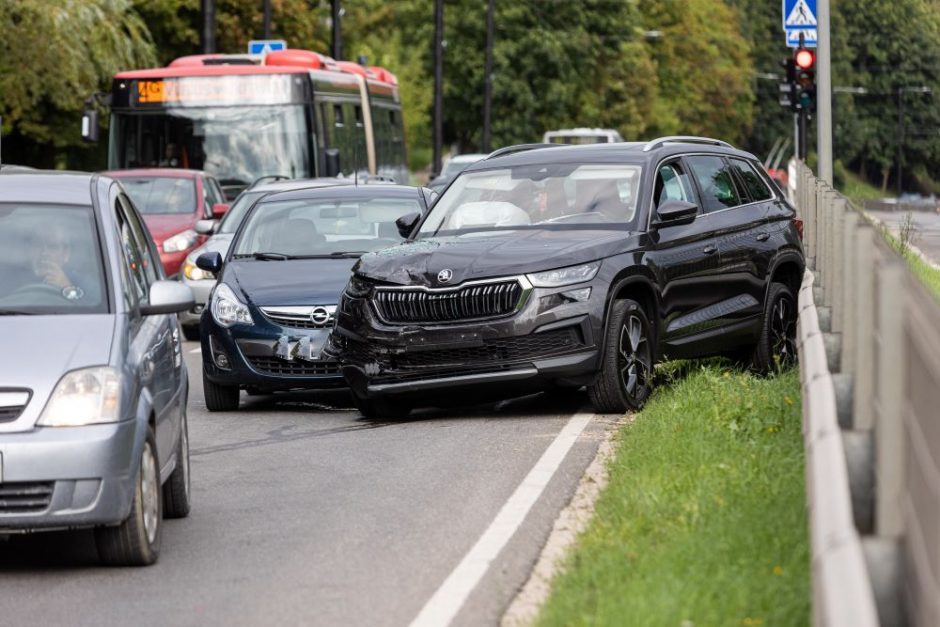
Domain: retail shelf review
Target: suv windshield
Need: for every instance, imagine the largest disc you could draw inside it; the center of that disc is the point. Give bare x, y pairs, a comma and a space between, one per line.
322, 227
537, 196
50, 261
162, 194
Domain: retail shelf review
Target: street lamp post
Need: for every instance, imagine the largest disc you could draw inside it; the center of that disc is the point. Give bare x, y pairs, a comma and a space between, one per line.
921, 89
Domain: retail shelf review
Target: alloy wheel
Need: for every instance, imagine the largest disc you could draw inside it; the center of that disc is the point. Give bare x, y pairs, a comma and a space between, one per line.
635, 362
783, 330
149, 493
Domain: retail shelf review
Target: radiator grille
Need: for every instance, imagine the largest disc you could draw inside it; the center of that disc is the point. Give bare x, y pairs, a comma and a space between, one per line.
25, 498
472, 302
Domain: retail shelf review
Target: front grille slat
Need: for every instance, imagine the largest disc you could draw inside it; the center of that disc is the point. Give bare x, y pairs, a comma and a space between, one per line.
415, 305
21, 498
273, 365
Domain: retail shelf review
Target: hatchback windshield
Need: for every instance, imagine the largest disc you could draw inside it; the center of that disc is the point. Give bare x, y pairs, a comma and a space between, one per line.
50, 261
162, 194
322, 227
537, 196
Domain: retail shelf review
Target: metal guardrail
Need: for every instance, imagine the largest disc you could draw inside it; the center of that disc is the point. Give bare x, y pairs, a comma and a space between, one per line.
869, 336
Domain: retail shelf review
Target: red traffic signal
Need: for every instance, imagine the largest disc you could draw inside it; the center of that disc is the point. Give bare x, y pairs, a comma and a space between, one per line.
805, 59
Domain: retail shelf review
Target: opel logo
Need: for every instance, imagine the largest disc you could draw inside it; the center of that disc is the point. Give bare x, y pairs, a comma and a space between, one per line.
319, 315
445, 275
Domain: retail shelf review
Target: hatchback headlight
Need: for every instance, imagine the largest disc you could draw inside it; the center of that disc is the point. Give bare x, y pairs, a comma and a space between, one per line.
227, 309
194, 273
181, 241
84, 397
565, 276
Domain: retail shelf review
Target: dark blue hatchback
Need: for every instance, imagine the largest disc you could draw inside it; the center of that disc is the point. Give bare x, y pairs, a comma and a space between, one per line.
272, 310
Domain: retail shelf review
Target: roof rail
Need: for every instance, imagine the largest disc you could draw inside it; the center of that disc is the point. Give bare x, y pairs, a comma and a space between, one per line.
508, 150
684, 139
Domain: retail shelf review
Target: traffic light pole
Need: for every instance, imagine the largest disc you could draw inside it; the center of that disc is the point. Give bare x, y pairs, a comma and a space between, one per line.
438, 112
823, 92
801, 134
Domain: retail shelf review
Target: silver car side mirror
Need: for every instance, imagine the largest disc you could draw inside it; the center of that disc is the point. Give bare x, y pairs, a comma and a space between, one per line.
168, 297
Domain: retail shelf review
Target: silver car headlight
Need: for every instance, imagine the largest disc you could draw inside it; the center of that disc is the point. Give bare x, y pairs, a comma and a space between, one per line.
227, 309
181, 241
84, 397
565, 276
194, 273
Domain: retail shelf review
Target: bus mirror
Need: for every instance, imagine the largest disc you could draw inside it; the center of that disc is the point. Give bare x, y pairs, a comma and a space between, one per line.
90, 125
331, 156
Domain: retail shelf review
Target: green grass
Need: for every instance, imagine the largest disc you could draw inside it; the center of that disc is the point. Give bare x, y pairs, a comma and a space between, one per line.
858, 189
704, 517
925, 273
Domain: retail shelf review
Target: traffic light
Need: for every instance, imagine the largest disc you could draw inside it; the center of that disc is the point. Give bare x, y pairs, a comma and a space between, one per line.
788, 88
805, 61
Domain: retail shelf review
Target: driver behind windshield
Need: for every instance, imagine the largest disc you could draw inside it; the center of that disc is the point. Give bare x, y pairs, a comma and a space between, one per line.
49, 253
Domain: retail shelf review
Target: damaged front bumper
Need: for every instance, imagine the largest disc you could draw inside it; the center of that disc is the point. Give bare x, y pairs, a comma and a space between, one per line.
548, 340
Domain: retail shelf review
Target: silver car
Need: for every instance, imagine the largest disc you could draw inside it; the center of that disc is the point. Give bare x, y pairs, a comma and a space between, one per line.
93, 387
201, 281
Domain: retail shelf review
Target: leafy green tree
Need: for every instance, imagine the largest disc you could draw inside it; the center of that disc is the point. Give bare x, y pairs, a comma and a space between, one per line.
53, 54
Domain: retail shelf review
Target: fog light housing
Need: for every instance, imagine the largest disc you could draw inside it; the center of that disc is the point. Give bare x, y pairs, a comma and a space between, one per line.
219, 356
578, 296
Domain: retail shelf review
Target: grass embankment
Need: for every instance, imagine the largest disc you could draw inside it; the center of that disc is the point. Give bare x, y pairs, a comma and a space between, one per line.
704, 517
927, 274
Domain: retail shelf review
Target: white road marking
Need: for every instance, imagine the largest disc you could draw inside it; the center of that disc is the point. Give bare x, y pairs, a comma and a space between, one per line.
446, 602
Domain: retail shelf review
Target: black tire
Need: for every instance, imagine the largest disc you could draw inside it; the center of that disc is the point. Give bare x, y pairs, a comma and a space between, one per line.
191, 332
776, 346
626, 377
136, 541
219, 397
382, 408
176, 490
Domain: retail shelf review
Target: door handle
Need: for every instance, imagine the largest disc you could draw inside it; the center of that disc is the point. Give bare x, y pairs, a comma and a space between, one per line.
711, 249
763, 237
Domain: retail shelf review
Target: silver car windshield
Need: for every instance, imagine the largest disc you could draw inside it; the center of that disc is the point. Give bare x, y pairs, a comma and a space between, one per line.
537, 196
234, 216
324, 227
50, 261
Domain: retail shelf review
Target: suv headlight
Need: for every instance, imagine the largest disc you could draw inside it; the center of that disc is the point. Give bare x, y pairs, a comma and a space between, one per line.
181, 241
227, 309
565, 276
358, 287
194, 273
84, 397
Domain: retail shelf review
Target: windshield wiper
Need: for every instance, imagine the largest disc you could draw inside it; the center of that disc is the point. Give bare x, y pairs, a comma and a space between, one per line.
15, 312
271, 256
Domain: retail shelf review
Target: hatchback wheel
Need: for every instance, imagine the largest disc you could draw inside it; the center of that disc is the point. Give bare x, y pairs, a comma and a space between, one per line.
176, 490
136, 541
382, 408
626, 377
219, 397
776, 347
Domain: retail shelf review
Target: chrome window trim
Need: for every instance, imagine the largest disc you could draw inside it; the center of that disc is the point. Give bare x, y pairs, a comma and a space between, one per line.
524, 282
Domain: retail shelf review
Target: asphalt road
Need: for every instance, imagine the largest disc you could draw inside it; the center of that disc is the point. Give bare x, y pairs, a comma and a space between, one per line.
926, 225
305, 513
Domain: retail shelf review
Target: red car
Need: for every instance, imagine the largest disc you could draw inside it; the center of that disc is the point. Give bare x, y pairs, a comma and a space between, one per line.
171, 201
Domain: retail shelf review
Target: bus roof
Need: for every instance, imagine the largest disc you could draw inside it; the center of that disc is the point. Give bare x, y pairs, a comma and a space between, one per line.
209, 70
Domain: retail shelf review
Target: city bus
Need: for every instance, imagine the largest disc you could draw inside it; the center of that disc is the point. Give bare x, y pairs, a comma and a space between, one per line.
291, 113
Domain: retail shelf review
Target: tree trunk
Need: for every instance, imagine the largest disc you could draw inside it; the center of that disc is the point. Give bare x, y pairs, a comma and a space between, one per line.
884, 179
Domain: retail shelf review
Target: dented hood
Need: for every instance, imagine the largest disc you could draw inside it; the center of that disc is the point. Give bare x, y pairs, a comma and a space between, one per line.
289, 282
490, 254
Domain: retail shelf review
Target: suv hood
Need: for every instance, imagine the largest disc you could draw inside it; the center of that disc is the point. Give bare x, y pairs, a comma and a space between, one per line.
487, 255
289, 282
38, 350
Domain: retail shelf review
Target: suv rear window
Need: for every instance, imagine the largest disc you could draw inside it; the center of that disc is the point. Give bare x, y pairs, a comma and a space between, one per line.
756, 189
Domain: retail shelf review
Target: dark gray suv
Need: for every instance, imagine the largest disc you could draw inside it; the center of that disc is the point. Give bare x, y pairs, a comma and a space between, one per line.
570, 266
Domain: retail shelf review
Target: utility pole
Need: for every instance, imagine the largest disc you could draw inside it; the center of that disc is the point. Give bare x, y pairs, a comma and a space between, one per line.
267, 19
900, 157
488, 77
208, 26
337, 12
438, 113
823, 91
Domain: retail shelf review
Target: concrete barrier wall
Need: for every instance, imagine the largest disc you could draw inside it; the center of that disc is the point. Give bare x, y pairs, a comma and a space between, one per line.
877, 331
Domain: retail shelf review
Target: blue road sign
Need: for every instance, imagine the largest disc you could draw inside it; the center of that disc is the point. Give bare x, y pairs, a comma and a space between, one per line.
799, 18
264, 46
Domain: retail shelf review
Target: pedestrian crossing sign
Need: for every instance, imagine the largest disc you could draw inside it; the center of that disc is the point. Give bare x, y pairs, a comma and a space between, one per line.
264, 46
799, 18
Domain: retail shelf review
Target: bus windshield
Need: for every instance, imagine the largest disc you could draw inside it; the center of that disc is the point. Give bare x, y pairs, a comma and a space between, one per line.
235, 144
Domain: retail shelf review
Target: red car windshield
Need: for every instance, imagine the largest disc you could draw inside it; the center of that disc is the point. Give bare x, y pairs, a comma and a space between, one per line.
162, 194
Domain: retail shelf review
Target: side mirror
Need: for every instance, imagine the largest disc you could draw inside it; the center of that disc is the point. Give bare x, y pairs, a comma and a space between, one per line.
90, 125
331, 161
219, 209
168, 297
406, 224
206, 227
210, 262
675, 212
